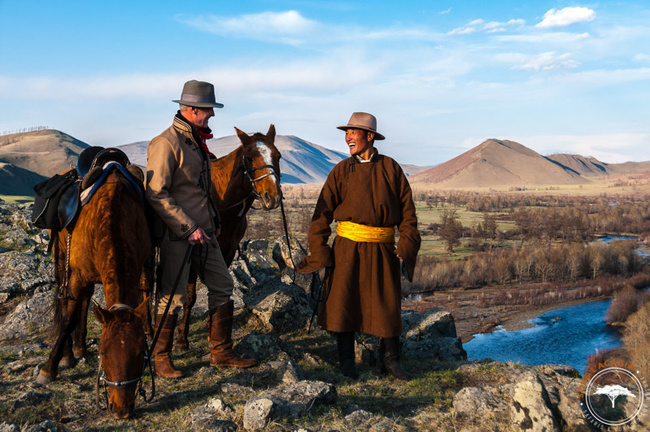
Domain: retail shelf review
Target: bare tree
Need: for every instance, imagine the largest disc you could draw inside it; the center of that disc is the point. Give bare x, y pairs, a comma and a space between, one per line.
451, 229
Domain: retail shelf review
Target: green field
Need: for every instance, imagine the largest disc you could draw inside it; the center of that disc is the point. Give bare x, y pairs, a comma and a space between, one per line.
16, 199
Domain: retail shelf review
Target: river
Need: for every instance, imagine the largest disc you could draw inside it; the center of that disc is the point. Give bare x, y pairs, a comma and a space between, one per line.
563, 336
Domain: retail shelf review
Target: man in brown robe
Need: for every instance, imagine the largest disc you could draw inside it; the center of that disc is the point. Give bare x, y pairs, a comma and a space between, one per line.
368, 195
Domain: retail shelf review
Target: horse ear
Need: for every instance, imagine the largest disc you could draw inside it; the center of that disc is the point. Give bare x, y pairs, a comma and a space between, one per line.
102, 315
271, 133
141, 311
243, 136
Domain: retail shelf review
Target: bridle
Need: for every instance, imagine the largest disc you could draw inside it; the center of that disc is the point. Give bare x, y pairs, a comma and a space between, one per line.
103, 380
249, 173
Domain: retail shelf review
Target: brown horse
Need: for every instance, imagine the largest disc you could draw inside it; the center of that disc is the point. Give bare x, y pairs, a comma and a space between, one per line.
109, 244
251, 171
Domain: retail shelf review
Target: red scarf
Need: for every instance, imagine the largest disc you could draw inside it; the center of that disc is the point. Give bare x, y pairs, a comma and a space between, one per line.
205, 136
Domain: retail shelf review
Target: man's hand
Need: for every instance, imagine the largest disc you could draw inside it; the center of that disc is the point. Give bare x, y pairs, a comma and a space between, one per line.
198, 237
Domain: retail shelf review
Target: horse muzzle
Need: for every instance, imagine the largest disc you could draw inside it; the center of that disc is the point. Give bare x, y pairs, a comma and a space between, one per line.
269, 201
122, 412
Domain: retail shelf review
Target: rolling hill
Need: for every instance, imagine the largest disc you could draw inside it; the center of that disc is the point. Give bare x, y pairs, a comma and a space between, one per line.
499, 163
592, 167
46, 152
17, 181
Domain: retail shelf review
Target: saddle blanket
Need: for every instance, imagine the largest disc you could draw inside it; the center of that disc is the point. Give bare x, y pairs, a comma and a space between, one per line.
88, 193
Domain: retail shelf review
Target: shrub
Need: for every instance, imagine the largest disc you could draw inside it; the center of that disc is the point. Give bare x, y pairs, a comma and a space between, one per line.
625, 303
636, 339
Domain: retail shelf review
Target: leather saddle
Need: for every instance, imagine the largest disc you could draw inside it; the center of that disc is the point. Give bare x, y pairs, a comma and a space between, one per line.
89, 168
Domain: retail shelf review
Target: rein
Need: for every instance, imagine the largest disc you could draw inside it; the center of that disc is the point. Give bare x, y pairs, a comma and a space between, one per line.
316, 280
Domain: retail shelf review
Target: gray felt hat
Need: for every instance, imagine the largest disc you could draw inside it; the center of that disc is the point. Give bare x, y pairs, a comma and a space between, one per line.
199, 94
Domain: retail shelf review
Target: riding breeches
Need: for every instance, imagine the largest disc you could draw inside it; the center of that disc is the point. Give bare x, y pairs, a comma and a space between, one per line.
206, 260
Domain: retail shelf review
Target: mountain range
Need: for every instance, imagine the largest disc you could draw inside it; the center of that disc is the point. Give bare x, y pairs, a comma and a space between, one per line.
502, 163
27, 158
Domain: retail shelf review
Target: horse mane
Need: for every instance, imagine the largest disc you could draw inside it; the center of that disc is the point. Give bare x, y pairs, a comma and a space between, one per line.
223, 170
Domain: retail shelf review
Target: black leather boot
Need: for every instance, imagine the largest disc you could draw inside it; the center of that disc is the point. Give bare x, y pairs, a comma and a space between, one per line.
345, 344
389, 348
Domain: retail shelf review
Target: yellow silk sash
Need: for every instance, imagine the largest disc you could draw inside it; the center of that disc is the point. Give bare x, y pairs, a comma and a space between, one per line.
364, 233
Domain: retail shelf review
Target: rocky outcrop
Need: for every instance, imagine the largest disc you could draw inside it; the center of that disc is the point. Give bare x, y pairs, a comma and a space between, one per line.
543, 398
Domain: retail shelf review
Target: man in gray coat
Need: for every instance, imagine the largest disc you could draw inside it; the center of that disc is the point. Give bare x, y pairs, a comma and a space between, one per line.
178, 188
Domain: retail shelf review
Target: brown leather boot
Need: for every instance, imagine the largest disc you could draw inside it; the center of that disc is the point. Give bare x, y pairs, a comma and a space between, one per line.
221, 353
161, 359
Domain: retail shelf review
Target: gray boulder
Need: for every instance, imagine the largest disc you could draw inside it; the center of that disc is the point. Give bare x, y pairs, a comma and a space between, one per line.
284, 309
535, 398
210, 416
260, 264
432, 335
364, 420
290, 400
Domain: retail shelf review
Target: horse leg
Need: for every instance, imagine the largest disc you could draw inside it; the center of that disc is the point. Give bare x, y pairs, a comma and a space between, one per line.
182, 343
66, 317
80, 332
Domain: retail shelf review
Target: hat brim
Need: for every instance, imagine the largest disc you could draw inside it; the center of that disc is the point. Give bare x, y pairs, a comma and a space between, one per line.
378, 136
199, 104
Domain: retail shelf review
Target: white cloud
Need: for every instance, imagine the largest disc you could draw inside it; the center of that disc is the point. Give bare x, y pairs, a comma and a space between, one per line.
462, 31
548, 61
277, 26
444, 12
641, 58
489, 27
566, 16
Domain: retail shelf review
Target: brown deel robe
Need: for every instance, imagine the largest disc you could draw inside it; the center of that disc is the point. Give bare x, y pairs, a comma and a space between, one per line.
365, 293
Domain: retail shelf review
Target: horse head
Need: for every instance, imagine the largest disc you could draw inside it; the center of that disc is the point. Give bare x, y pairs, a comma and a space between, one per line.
122, 352
261, 163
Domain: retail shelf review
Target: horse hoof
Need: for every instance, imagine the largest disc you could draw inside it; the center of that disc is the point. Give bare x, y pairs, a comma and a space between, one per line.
67, 362
43, 379
79, 352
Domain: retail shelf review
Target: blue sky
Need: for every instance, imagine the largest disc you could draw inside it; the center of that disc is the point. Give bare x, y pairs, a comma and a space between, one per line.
441, 76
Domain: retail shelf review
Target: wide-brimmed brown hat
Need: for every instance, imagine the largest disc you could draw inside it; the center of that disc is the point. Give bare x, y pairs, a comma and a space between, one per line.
198, 94
363, 121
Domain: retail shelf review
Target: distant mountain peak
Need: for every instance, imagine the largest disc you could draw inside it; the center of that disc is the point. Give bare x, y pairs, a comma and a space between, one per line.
498, 163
